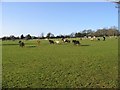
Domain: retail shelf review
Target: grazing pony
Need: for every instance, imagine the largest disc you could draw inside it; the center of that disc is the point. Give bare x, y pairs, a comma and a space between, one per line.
98, 39
92, 39
51, 41
103, 38
66, 40
21, 44
57, 42
38, 42
76, 42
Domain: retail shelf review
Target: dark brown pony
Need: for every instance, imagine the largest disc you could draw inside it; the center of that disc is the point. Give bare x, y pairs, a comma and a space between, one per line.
21, 44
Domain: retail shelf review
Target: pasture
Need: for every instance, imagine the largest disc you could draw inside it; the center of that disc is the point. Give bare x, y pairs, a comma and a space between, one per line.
94, 64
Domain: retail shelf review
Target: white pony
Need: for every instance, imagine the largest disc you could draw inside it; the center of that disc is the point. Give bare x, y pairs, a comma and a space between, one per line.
57, 42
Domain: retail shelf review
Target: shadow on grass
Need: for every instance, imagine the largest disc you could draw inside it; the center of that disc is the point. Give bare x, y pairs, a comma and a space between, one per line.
31, 46
9, 44
85, 45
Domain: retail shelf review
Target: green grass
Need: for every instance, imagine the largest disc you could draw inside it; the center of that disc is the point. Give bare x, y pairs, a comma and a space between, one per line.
60, 66
0, 63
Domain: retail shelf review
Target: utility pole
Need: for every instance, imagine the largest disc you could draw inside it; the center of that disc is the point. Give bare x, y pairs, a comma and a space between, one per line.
118, 6
119, 16
118, 3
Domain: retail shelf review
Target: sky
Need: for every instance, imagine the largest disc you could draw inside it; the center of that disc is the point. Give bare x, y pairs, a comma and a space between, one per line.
59, 0
56, 17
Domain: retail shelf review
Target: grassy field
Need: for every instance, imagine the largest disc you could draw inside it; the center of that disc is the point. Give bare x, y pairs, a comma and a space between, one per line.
94, 64
0, 64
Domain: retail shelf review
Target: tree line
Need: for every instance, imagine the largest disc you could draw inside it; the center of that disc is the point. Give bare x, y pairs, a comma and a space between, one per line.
112, 31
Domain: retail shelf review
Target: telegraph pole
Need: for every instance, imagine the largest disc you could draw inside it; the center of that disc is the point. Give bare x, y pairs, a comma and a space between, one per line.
118, 3
118, 6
